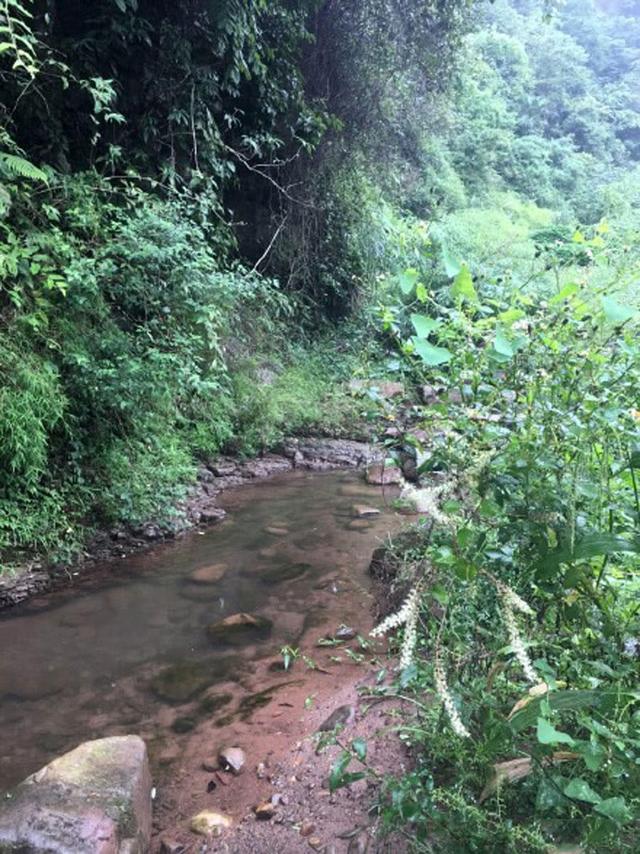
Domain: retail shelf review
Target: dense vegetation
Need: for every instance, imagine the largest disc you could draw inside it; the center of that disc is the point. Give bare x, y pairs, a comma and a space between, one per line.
157, 160
195, 193
518, 313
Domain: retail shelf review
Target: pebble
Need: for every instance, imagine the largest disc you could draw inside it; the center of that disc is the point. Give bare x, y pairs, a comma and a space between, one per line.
232, 759
345, 633
307, 827
265, 810
315, 842
210, 823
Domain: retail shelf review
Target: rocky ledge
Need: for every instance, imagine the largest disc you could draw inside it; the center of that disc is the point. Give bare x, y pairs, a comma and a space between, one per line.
199, 508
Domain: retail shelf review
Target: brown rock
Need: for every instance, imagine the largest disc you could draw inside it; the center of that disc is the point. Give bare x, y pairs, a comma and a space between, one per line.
359, 525
315, 842
342, 716
208, 574
238, 628
96, 798
265, 811
379, 474
361, 511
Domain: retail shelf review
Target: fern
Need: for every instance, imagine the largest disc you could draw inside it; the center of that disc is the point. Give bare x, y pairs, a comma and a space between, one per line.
17, 167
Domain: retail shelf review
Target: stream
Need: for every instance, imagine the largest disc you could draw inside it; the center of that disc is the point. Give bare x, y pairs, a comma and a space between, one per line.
127, 650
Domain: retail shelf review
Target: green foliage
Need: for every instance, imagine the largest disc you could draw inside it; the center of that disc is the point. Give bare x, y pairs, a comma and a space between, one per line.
539, 455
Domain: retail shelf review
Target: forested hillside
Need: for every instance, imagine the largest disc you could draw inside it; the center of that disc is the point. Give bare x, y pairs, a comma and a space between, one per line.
214, 213
180, 184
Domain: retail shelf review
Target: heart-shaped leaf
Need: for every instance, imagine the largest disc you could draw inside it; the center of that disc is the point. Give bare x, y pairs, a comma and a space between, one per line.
548, 734
424, 325
430, 354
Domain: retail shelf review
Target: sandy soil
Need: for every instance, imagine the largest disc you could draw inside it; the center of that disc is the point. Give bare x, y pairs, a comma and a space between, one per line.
283, 741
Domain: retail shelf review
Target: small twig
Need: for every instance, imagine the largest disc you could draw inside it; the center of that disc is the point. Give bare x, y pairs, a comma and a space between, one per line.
255, 267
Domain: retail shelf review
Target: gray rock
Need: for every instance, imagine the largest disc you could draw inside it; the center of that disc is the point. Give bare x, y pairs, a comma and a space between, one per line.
95, 799
210, 513
232, 759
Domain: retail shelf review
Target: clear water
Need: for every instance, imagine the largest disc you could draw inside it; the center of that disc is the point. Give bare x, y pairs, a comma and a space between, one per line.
85, 662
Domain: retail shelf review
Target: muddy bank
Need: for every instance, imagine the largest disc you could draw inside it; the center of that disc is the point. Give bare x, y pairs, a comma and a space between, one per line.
200, 509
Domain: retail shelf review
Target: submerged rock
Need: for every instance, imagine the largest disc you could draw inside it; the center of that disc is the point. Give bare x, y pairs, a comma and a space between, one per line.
210, 823
359, 525
238, 629
208, 574
285, 572
96, 798
361, 511
276, 531
181, 682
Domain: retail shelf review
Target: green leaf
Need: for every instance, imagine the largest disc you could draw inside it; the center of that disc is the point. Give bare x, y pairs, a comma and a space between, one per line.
359, 747
407, 280
566, 293
337, 774
462, 288
580, 790
424, 325
593, 754
616, 809
587, 547
547, 734
452, 265
615, 312
430, 354
510, 316
23, 168
502, 345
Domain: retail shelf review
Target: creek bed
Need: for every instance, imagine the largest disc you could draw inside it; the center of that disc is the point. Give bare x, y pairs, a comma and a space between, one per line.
128, 650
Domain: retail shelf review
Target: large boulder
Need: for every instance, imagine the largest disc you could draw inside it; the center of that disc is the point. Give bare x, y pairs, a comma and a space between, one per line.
95, 799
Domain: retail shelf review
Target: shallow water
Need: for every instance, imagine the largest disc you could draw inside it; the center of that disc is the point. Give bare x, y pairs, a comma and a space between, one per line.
128, 650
